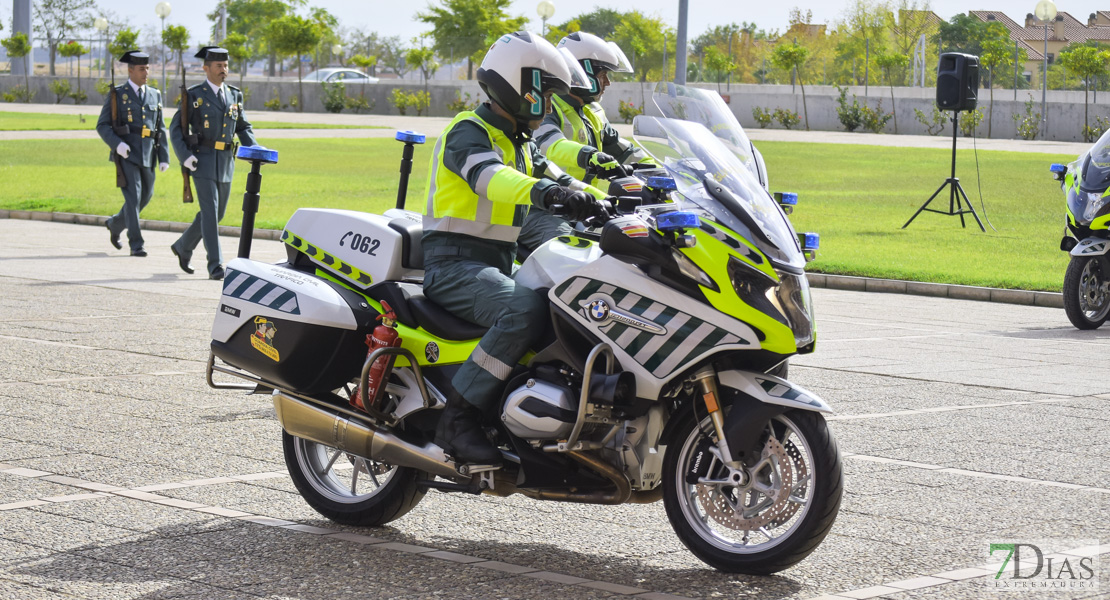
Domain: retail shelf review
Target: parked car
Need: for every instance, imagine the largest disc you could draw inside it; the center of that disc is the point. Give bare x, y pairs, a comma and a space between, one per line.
336, 75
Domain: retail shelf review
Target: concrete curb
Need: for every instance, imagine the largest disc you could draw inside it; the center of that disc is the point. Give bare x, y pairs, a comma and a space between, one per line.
817, 280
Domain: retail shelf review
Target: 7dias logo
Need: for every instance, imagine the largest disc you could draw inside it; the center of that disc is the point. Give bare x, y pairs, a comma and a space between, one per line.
1026, 567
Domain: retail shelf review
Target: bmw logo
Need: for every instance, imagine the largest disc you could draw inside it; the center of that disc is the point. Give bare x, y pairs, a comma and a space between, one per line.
599, 310
431, 352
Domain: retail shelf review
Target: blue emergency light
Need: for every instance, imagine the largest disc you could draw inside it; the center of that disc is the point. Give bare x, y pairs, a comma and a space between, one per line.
811, 241
787, 198
676, 221
261, 154
410, 137
661, 183
1058, 168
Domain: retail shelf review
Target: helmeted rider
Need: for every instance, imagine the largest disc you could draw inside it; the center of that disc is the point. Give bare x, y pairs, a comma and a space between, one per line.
486, 173
576, 135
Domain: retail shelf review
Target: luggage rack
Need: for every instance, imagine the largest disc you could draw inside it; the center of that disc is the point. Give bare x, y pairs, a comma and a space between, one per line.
213, 367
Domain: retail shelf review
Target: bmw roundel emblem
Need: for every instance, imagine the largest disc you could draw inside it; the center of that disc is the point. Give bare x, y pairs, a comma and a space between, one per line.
599, 310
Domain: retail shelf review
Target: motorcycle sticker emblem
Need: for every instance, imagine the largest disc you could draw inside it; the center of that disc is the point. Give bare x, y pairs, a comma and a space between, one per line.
431, 352
263, 337
599, 310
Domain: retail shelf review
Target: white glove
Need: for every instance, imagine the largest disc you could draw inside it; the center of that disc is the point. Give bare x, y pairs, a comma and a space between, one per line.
163, 166
123, 149
191, 163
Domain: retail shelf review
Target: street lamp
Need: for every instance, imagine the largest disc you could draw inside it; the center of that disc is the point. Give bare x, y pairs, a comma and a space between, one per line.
335, 50
1045, 12
545, 9
162, 9
102, 25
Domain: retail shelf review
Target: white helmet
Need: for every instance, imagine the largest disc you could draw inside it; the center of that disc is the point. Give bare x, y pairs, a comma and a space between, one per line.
594, 54
519, 67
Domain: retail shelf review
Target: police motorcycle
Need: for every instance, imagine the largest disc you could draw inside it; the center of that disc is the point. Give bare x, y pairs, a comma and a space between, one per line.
1085, 183
649, 382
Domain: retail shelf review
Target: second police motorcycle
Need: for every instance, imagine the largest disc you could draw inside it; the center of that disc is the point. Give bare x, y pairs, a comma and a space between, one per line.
650, 381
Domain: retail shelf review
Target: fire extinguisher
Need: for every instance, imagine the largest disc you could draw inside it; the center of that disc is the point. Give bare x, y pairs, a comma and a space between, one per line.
384, 336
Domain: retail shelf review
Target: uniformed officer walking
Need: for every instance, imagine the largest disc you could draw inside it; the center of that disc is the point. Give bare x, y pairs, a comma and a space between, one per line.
215, 119
138, 137
485, 175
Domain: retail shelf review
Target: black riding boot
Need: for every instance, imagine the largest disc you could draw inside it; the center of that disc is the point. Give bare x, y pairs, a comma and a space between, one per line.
459, 432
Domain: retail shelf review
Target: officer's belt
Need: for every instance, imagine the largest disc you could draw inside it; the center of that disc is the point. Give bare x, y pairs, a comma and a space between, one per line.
203, 143
141, 131
485, 255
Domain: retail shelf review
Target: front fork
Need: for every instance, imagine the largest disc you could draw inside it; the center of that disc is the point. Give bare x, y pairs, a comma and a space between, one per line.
706, 381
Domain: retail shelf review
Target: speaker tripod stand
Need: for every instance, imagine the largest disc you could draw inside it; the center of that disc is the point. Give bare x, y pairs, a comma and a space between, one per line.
956, 195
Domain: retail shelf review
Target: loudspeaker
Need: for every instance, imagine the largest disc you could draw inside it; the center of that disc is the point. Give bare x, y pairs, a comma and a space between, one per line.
957, 81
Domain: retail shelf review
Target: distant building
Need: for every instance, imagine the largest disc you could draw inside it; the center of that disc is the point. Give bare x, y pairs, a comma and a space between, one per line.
1064, 30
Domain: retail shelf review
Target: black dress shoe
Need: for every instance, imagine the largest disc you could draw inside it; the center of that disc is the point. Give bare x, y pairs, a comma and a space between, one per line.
181, 262
139, 252
113, 236
218, 274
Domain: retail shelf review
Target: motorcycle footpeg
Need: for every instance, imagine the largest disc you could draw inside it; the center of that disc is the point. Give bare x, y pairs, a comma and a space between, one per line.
473, 469
474, 487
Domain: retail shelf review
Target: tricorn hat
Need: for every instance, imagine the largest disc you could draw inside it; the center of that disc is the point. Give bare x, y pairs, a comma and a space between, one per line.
209, 53
134, 57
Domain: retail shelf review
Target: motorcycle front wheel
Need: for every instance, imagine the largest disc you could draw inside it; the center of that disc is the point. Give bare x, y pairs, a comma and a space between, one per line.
765, 517
1087, 291
350, 489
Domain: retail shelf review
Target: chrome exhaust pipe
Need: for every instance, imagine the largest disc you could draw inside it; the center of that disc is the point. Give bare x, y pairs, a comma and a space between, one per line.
318, 424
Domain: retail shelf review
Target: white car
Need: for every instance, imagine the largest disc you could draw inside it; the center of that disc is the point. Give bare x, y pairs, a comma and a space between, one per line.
336, 75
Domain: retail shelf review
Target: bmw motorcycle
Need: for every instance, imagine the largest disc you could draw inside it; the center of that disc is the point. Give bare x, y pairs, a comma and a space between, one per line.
649, 381
1087, 235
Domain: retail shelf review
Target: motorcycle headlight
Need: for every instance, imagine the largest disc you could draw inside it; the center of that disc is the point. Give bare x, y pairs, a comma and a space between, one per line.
787, 301
693, 271
1095, 202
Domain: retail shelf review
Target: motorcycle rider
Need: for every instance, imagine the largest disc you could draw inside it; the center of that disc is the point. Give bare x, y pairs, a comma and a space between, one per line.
485, 174
576, 134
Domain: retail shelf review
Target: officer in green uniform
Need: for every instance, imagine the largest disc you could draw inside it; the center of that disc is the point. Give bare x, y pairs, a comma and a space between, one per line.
576, 135
215, 119
485, 175
138, 136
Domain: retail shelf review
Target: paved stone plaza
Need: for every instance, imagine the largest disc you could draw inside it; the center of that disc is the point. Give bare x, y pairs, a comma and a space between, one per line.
123, 475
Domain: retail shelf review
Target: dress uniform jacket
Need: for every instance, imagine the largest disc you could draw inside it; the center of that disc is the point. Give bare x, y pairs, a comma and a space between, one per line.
146, 129
217, 125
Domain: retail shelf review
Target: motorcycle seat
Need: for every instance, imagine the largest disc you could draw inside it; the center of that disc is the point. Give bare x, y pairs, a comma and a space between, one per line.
415, 310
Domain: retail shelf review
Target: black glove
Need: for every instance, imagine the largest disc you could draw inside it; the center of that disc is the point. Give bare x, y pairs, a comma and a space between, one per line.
575, 206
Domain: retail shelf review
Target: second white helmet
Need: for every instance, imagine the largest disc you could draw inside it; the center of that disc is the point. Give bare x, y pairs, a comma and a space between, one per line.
519, 67
595, 55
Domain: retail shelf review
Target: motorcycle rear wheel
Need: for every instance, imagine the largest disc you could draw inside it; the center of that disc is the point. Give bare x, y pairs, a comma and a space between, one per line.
1086, 294
349, 489
779, 517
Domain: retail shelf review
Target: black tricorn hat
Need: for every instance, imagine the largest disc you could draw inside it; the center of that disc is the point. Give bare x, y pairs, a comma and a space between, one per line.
209, 53
134, 57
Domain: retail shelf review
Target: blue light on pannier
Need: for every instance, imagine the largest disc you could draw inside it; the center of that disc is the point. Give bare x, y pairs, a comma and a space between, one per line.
787, 198
1058, 168
259, 153
811, 241
410, 137
661, 183
676, 221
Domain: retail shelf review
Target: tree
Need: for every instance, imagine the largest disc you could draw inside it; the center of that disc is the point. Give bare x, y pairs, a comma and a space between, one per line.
422, 58
996, 52
962, 33
793, 56
888, 62
718, 62
70, 50
239, 52
252, 18
1086, 62
862, 33
19, 46
176, 38
58, 18
325, 24
602, 22
126, 39
295, 35
467, 28
642, 38
393, 56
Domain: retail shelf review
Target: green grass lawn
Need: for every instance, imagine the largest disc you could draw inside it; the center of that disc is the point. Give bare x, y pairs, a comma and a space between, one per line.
856, 197
18, 121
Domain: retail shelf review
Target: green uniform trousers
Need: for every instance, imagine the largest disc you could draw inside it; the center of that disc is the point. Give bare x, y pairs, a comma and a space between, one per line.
486, 295
136, 195
541, 226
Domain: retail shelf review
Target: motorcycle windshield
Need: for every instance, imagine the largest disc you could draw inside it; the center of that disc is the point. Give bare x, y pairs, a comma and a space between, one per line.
690, 152
1096, 172
709, 109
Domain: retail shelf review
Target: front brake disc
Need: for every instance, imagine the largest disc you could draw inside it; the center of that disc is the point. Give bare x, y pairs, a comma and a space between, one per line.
725, 504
